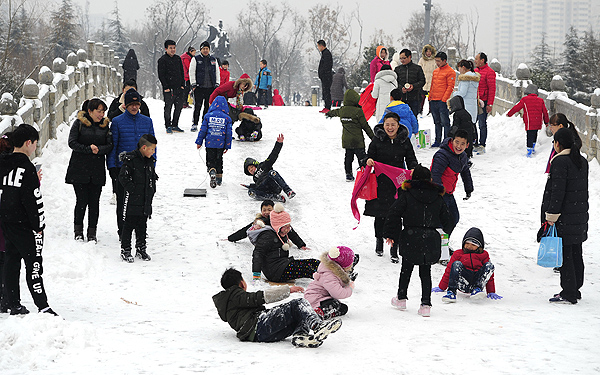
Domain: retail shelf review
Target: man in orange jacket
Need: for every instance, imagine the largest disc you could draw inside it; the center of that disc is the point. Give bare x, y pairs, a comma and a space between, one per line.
442, 85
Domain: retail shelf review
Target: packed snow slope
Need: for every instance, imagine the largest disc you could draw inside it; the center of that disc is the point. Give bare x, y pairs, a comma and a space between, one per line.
158, 317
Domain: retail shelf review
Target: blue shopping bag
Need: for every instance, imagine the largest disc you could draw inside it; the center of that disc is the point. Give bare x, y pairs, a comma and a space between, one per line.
550, 252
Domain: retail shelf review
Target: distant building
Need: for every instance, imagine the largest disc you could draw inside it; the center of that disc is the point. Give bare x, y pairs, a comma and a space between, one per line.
520, 24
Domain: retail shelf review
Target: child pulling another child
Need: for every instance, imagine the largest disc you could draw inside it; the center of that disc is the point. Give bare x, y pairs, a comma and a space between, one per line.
469, 270
332, 282
353, 123
268, 183
534, 112
246, 314
139, 182
216, 131
263, 216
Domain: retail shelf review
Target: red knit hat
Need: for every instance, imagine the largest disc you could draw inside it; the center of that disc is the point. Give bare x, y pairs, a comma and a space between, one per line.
279, 218
342, 255
245, 76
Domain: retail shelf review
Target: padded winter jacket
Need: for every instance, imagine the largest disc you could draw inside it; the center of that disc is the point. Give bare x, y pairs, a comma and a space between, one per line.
263, 168
230, 89
326, 65
263, 79
447, 165
225, 75
407, 117
20, 195
115, 107
170, 72
277, 99
199, 65
413, 74
377, 63
139, 181
442, 83
216, 126
566, 193
428, 65
186, 59
461, 118
534, 111
385, 82
240, 309
242, 233
330, 281
338, 85
487, 84
84, 166
268, 256
397, 153
468, 84
353, 121
127, 130
413, 219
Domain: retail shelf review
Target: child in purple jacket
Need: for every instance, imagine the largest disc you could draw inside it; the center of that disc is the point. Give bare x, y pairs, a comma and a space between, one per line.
332, 282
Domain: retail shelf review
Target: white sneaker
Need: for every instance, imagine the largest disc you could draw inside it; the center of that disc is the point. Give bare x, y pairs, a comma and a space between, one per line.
113, 199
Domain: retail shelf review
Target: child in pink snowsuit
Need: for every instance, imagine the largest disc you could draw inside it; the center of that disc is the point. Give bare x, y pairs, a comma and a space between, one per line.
332, 282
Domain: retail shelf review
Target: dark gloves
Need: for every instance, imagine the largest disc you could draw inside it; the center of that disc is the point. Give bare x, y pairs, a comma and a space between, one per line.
467, 197
268, 87
114, 172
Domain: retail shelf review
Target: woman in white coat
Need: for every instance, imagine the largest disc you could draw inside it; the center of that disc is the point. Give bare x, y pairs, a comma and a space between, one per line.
385, 81
468, 83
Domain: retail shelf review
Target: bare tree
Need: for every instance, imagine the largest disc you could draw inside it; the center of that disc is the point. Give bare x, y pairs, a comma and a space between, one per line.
473, 25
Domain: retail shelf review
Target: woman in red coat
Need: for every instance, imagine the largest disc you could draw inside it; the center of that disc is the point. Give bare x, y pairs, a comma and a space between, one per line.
233, 89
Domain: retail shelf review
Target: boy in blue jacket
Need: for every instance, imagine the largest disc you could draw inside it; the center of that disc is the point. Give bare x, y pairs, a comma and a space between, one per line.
407, 118
216, 132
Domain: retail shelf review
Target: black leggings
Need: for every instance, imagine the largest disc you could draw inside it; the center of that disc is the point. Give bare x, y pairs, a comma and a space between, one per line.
299, 268
87, 196
425, 276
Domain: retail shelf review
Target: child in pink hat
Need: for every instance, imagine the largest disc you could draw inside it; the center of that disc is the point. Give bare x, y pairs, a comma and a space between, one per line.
332, 282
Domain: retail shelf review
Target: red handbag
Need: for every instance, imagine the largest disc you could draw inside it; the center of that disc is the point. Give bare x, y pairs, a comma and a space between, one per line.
369, 189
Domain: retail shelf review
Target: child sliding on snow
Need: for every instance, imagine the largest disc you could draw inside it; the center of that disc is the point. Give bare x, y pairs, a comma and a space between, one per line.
262, 219
353, 123
250, 128
246, 314
216, 130
268, 183
469, 270
332, 281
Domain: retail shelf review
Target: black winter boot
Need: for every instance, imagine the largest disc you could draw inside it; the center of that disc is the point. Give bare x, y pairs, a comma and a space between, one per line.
379, 247
394, 253
91, 234
78, 232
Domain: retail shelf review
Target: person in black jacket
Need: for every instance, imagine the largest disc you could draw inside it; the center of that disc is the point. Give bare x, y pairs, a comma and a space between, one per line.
265, 209
268, 183
204, 78
246, 314
411, 80
325, 73
90, 139
23, 221
170, 74
461, 120
139, 182
271, 254
412, 224
130, 66
117, 106
390, 146
250, 128
5, 148
566, 204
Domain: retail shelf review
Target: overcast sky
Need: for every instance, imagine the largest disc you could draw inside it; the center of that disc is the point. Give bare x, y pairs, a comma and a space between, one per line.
376, 14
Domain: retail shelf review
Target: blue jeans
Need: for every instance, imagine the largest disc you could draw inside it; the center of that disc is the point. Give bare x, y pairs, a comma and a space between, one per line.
482, 120
466, 280
441, 119
291, 318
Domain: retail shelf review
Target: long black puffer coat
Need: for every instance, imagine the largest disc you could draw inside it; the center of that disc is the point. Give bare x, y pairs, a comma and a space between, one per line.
566, 193
269, 256
84, 166
139, 181
397, 153
413, 218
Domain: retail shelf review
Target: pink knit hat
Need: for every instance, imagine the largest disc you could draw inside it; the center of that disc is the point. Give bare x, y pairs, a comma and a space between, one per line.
279, 218
342, 255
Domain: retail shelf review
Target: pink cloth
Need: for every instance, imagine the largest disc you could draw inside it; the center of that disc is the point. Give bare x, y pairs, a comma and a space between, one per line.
397, 175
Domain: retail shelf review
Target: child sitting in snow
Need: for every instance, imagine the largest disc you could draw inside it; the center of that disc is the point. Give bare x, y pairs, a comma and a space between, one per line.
534, 112
469, 270
271, 250
246, 314
261, 220
332, 282
353, 123
216, 130
268, 183
250, 128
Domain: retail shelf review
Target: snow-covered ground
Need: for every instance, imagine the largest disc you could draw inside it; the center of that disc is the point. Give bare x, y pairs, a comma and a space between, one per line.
157, 317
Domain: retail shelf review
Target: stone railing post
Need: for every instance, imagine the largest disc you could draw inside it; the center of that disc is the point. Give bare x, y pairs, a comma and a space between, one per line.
45, 77
8, 110
523, 80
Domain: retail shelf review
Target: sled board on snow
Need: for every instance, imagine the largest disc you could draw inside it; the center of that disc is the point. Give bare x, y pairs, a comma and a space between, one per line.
273, 283
194, 193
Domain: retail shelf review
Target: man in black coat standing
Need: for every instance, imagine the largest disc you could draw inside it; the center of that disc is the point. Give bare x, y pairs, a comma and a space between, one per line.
170, 74
325, 73
411, 80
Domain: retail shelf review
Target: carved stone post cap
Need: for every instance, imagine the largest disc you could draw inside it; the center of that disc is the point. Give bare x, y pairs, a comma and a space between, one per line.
557, 84
8, 105
45, 75
82, 55
595, 99
72, 59
59, 65
30, 89
523, 72
495, 65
